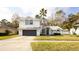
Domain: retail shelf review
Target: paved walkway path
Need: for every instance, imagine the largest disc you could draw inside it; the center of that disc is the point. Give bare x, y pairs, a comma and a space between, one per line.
21, 43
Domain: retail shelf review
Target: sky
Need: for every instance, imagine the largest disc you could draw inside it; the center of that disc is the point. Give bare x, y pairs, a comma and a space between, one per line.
32, 7
7, 12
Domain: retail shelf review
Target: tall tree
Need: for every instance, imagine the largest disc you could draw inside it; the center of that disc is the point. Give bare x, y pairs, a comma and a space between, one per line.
4, 21
72, 20
15, 19
60, 17
9, 24
42, 15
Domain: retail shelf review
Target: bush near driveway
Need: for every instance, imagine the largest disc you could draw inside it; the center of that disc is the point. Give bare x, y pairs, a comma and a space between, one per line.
55, 46
7, 32
61, 37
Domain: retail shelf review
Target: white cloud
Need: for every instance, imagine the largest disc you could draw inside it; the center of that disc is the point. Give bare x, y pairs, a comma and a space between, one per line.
65, 9
26, 11
29, 7
32, 11
38, 3
26, 3
5, 13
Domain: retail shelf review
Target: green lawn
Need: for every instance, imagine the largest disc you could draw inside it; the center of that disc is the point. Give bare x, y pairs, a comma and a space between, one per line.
61, 37
7, 37
55, 46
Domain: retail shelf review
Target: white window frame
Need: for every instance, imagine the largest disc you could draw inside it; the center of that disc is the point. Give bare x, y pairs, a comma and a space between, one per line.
31, 22
28, 22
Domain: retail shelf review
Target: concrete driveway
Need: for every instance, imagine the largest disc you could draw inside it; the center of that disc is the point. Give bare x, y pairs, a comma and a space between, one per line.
21, 43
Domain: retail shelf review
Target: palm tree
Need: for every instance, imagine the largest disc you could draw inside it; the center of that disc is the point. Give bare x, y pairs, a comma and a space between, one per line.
37, 16
43, 13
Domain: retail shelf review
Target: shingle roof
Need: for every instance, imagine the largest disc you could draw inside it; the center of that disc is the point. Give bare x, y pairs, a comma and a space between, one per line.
56, 28
28, 18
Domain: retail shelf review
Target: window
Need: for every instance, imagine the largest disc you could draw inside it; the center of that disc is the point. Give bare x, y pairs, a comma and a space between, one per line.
28, 22
31, 21
58, 30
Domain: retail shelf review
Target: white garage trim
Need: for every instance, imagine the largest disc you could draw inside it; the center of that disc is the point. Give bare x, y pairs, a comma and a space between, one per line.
20, 32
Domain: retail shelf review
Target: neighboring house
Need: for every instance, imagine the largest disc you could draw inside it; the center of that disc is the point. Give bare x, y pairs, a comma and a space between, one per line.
29, 26
72, 31
4, 27
76, 26
2, 30
75, 30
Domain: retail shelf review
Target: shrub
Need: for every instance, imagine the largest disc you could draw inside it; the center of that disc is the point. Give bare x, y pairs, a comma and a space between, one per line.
2, 34
7, 32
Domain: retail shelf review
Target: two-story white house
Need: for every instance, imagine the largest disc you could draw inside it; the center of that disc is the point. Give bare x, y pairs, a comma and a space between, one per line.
29, 26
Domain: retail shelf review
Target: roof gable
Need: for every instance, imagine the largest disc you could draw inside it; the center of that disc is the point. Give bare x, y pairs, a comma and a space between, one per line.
28, 18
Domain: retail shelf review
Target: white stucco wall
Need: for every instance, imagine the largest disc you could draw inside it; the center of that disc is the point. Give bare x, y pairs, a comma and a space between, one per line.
20, 32
35, 26
38, 32
72, 31
36, 23
50, 31
77, 31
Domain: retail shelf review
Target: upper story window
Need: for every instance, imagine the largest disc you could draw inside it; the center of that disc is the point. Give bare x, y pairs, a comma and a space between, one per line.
28, 22
31, 21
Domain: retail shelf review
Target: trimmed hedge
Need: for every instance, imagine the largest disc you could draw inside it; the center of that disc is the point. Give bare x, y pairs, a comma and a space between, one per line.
55, 46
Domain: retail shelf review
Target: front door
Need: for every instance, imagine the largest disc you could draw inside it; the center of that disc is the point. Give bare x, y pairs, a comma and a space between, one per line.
47, 31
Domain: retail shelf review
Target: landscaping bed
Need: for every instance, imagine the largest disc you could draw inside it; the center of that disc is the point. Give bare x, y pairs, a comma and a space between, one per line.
55, 46
61, 37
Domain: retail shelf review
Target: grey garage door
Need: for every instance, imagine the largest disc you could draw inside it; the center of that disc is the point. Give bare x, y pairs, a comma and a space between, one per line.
29, 32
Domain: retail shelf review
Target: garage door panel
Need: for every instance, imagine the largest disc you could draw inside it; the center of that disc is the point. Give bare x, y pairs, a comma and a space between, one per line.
29, 32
